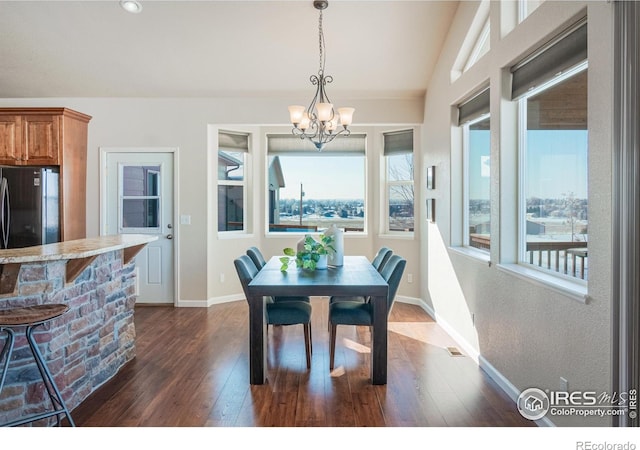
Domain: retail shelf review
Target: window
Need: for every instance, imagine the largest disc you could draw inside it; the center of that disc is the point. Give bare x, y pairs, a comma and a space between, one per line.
310, 190
398, 155
473, 115
232, 152
526, 7
139, 198
478, 184
554, 159
481, 46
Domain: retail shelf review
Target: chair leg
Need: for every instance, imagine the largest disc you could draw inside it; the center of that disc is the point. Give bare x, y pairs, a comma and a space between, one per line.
307, 343
332, 345
7, 350
57, 401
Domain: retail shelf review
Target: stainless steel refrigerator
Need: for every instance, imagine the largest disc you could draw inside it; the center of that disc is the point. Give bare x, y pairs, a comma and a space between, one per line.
29, 206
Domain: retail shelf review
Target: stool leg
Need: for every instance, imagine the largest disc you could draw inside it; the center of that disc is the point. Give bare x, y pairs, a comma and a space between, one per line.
6, 353
50, 384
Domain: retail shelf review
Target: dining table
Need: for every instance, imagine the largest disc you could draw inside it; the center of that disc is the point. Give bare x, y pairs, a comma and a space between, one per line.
356, 277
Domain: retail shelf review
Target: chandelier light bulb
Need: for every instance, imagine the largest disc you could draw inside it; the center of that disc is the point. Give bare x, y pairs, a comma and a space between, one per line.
295, 113
304, 122
346, 116
325, 111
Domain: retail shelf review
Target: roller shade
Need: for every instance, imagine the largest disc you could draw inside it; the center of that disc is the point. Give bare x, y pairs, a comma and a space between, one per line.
473, 108
398, 142
563, 53
235, 142
288, 144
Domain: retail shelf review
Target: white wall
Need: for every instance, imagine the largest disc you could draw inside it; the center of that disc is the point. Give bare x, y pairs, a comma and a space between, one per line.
526, 332
186, 124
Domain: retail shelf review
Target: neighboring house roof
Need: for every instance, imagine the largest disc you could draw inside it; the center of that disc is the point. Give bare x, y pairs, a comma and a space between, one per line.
276, 177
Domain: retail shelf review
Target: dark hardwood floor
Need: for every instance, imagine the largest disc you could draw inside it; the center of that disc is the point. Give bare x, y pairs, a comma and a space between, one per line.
191, 370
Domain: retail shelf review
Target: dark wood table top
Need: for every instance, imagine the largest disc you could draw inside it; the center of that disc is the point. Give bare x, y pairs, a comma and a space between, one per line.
356, 277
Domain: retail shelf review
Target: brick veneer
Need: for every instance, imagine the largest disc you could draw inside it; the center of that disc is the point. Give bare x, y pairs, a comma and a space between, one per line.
84, 347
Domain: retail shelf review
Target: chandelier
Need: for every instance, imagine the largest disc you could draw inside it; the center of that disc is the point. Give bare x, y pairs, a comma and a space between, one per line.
319, 122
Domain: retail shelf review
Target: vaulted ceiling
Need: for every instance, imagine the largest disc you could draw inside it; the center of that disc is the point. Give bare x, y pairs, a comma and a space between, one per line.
241, 48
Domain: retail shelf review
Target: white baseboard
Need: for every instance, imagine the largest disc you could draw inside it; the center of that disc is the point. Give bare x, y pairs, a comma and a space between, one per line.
473, 353
210, 301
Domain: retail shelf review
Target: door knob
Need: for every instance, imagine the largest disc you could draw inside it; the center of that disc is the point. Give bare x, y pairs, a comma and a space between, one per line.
169, 236
169, 226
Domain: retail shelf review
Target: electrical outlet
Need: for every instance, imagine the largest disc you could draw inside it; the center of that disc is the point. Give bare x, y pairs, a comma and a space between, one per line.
564, 384
410, 278
221, 277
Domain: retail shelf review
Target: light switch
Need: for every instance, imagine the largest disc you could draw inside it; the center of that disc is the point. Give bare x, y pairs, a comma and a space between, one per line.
185, 219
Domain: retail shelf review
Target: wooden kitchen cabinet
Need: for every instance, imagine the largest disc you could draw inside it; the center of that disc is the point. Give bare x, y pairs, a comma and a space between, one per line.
51, 137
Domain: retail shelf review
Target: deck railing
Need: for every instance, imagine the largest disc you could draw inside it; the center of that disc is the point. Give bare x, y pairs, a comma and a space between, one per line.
565, 257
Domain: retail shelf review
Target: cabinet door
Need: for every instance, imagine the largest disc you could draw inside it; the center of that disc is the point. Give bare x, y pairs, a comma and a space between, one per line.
10, 139
41, 140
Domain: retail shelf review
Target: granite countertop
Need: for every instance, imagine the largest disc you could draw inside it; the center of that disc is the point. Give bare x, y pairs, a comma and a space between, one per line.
79, 248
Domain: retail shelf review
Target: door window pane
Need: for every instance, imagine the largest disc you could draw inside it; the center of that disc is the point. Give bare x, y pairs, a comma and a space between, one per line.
140, 197
140, 213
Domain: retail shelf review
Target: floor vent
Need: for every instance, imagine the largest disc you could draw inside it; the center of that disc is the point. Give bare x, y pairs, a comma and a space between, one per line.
453, 351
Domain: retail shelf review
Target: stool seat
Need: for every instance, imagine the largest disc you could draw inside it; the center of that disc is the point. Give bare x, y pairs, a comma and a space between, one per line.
30, 315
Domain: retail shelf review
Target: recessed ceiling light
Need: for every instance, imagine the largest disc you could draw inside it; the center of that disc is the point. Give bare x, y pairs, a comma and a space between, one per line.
131, 6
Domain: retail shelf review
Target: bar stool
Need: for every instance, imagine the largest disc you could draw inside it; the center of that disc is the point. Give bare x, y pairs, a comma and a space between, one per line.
32, 317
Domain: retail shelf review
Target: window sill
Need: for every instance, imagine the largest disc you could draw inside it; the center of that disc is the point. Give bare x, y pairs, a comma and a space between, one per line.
225, 235
572, 289
472, 253
405, 236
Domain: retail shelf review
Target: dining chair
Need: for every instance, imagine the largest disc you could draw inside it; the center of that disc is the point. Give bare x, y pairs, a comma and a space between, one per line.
278, 313
256, 256
381, 258
378, 262
258, 260
360, 313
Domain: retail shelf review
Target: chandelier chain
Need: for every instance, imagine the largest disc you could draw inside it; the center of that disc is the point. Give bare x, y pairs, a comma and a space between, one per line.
321, 44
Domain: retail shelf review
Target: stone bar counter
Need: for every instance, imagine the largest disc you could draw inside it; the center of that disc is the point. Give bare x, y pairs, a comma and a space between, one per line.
88, 344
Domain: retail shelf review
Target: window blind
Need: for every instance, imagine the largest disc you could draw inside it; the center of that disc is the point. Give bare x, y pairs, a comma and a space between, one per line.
398, 142
235, 142
564, 52
288, 144
473, 108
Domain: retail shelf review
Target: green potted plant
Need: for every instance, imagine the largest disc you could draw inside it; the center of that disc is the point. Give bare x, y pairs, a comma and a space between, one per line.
311, 255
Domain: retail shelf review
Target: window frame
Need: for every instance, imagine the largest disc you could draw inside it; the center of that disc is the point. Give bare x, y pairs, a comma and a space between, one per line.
466, 244
307, 150
246, 229
388, 184
522, 153
122, 198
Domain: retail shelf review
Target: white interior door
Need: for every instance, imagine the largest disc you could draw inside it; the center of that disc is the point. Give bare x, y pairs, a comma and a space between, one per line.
139, 200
